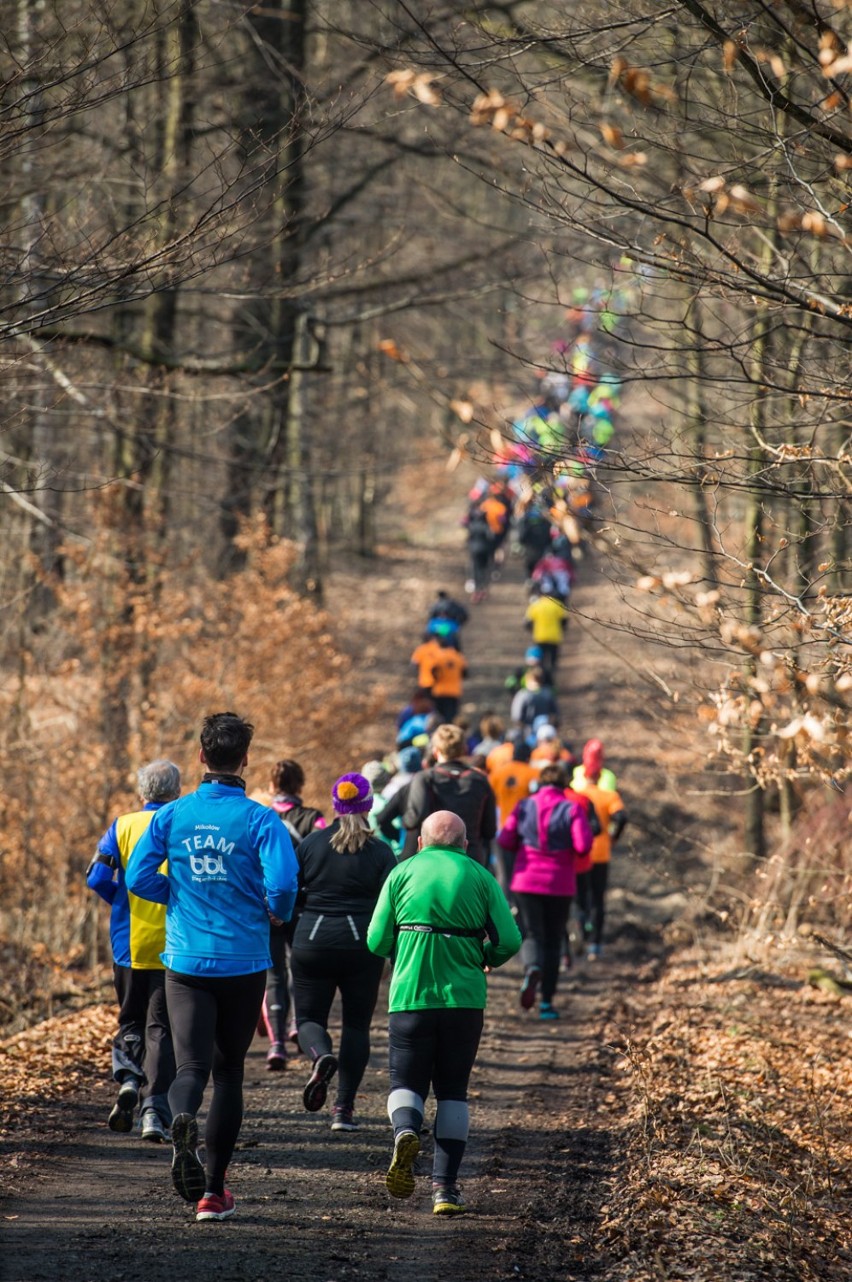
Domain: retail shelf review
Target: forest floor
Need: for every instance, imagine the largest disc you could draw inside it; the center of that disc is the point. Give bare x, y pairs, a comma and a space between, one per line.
686, 1119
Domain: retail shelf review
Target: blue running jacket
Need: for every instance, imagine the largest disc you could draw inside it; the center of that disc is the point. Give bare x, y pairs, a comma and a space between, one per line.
230, 863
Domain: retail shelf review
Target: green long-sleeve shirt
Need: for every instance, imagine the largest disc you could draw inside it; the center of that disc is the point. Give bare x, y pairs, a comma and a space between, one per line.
439, 888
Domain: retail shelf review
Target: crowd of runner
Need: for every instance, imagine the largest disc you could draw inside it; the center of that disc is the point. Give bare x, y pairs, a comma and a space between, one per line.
469, 839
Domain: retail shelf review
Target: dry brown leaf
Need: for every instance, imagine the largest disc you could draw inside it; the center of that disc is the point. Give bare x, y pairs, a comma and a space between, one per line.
814, 222
742, 200
612, 135
424, 91
712, 184
401, 81
463, 410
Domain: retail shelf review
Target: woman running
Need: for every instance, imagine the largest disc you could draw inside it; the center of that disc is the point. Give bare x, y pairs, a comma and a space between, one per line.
285, 788
341, 872
547, 832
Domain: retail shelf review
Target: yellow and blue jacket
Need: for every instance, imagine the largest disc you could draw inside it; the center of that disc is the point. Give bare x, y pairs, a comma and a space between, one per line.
137, 928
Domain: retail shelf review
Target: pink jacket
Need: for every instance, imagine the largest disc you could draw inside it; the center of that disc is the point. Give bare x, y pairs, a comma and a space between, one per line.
547, 832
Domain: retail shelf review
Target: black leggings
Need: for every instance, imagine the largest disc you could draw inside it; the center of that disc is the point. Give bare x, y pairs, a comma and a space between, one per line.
213, 1019
591, 892
437, 1048
276, 1003
319, 973
543, 922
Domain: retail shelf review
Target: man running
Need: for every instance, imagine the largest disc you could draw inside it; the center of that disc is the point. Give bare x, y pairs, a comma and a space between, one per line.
231, 868
446, 922
143, 1061
451, 784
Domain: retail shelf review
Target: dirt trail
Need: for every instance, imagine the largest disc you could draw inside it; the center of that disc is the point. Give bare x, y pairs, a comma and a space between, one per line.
544, 1152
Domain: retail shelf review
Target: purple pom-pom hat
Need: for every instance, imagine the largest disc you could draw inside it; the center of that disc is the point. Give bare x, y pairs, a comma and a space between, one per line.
352, 795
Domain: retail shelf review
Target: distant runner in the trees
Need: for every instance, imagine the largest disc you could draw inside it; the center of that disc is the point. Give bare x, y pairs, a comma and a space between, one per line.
284, 797
445, 921
341, 872
534, 700
546, 618
143, 1061
231, 869
447, 618
480, 548
448, 673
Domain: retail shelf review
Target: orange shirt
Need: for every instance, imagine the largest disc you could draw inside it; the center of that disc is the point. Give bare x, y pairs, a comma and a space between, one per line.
498, 756
606, 804
496, 514
448, 670
545, 755
425, 657
510, 782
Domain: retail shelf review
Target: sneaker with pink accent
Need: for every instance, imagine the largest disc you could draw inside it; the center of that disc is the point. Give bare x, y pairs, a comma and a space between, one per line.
214, 1207
276, 1059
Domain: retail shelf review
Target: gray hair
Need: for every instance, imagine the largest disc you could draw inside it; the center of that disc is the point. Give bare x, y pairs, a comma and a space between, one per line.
159, 780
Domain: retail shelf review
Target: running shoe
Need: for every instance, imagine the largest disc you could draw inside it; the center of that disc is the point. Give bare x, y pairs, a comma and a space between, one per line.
529, 986
547, 1011
316, 1089
447, 1200
187, 1172
342, 1119
276, 1060
121, 1117
152, 1128
293, 1034
214, 1207
400, 1177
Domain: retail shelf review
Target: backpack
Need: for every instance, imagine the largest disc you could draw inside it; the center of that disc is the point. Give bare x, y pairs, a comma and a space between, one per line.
299, 820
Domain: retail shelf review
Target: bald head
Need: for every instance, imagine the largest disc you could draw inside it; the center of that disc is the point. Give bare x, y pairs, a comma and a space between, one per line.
443, 828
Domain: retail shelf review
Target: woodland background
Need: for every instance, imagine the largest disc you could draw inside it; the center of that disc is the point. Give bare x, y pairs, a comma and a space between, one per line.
257, 260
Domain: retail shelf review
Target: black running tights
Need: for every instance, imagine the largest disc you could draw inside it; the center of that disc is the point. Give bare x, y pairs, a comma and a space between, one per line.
213, 1019
543, 922
320, 973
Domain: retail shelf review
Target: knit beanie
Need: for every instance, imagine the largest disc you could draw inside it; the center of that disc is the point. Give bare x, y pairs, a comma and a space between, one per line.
352, 795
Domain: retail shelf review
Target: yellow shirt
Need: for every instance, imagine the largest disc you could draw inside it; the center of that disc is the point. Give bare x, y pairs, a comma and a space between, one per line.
547, 616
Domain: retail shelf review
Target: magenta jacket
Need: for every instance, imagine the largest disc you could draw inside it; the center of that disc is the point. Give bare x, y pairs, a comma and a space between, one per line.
547, 832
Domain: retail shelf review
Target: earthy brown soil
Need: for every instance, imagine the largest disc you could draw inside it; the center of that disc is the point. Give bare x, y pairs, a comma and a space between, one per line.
563, 1139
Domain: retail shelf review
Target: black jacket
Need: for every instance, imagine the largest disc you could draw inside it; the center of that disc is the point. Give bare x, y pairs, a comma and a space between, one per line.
454, 786
338, 891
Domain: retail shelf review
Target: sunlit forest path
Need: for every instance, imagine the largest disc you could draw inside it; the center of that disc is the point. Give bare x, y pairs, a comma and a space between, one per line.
312, 1204
582, 1159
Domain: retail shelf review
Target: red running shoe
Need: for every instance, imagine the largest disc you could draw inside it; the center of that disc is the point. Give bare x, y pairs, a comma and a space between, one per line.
214, 1207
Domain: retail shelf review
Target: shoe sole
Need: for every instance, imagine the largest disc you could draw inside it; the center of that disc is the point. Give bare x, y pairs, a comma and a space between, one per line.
400, 1177
528, 988
120, 1120
448, 1208
121, 1117
276, 1065
344, 1126
187, 1172
316, 1091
